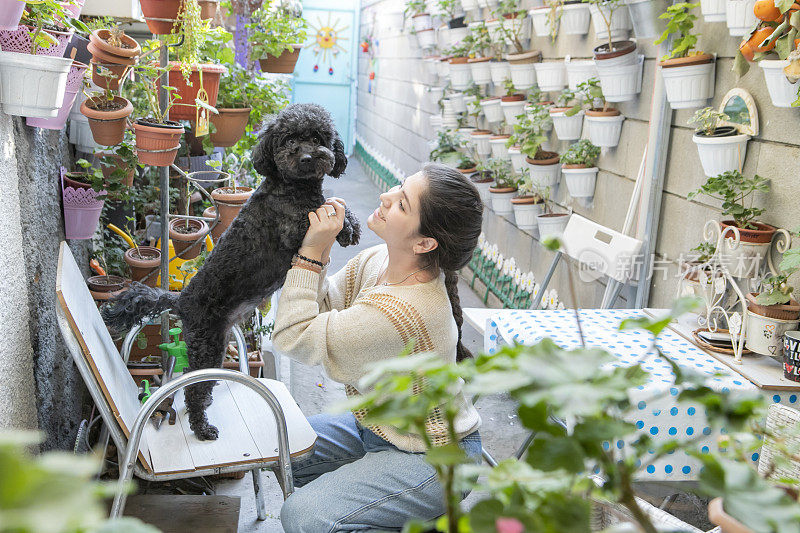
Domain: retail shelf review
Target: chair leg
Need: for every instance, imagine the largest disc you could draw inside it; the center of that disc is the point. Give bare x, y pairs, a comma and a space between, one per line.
488, 457
258, 488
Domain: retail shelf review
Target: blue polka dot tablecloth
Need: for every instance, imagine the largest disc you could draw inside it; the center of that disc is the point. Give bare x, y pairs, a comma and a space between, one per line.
656, 410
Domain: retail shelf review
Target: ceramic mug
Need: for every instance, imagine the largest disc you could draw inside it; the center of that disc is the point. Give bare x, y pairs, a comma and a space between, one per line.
791, 355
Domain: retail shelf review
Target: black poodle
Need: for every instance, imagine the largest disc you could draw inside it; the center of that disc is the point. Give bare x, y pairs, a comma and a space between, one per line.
294, 153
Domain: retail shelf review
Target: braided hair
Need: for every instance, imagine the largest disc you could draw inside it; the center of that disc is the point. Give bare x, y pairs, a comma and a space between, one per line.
451, 212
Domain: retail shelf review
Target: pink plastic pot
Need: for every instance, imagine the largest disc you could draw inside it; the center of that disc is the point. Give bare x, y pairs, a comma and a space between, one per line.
82, 209
74, 83
20, 39
10, 13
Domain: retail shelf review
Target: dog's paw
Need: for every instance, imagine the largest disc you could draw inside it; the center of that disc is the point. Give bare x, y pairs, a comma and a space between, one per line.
207, 432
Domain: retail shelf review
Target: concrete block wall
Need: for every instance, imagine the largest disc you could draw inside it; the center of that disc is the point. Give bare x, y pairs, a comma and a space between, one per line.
393, 119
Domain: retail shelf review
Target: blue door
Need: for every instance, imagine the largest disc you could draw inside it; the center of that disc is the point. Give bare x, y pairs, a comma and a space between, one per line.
325, 73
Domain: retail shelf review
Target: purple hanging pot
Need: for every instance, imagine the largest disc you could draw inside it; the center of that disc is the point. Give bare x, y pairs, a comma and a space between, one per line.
10, 13
82, 209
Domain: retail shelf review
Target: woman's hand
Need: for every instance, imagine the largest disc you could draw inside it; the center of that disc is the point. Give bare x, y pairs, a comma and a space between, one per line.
325, 224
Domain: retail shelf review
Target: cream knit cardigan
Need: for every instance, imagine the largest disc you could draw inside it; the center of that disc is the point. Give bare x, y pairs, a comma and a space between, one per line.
346, 321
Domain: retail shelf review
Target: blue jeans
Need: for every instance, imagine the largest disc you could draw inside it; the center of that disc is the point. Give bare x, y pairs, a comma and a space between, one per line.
357, 481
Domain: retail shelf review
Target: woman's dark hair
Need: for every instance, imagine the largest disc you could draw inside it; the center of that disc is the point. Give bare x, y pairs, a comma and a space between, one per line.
451, 212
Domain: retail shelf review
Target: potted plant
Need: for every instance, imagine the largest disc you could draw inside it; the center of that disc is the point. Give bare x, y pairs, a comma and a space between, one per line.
276, 38
480, 141
416, 10
157, 138
144, 263
574, 16
721, 148
551, 75
71, 90
528, 203
578, 168
187, 235
578, 71
514, 25
119, 164
550, 223
737, 195
499, 145
46, 28
10, 14
460, 72
512, 104
229, 201
610, 19
84, 192
567, 116
504, 187
492, 109
523, 74
603, 122
446, 149
160, 15
617, 63
688, 73
107, 114
770, 313
113, 50
530, 133
545, 20
482, 178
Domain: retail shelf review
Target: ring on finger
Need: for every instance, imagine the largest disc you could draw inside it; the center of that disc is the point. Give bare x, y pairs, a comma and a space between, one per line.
331, 213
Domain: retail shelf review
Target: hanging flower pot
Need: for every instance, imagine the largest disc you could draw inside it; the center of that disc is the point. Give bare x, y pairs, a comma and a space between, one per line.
208, 8
604, 127
480, 140
185, 108
33, 85
107, 118
492, 109
443, 67
791, 355
526, 209
723, 151
483, 181
552, 224
229, 201
144, 263
160, 15
620, 70
499, 71
523, 75
568, 128
105, 287
109, 75
426, 38
101, 41
460, 73
545, 170
713, 10
579, 71
464, 136
781, 92
421, 21
73, 86
456, 36
479, 68
512, 105
645, 17
580, 180
188, 236
740, 16
540, 19
517, 159
456, 102
157, 144
230, 126
620, 21
10, 13
497, 143
575, 19
20, 40
501, 200
469, 5
746, 259
281, 64
516, 25
82, 208
688, 81
551, 75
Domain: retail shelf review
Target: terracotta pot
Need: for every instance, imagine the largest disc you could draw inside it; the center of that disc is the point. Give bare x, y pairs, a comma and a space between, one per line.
531, 56
208, 8
573, 165
458, 60
160, 9
230, 125
620, 49
108, 127
610, 112
141, 266
283, 64
762, 234
728, 524
99, 38
188, 243
157, 145
501, 190
216, 230
108, 283
75, 184
111, 82
230, 203
513, 98
698, 59
547, 158
790, 311
481, 177
102, 56
185, 108
109, 169
525, 200
467, 171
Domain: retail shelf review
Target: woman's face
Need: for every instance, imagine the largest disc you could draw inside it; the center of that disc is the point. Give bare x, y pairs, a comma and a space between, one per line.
396, 219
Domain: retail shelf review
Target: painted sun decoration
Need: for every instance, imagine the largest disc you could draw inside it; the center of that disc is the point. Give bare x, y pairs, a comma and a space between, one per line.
326, 44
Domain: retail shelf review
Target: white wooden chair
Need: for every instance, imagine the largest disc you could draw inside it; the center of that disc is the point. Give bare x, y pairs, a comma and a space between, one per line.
252, 436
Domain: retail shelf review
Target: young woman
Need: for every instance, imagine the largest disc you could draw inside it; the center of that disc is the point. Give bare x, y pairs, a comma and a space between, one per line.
376, 478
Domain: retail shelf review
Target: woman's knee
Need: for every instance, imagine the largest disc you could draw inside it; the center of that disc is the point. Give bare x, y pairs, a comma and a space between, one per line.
302, 513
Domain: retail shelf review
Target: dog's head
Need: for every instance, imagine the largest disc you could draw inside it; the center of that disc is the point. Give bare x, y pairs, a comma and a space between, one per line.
300, 144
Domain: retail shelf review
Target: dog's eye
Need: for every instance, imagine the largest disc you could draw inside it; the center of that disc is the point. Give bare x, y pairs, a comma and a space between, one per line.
318, 139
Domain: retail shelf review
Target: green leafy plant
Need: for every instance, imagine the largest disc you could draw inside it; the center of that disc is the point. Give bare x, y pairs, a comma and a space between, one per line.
606, 9
554, 16
449, 7
191, 32
582, 152
273, 31
414, 7
465, 162
480, 40
680, 22
48, 14
705, 251
446, 150
511, 32
707, 120
147, 80
508, 86
776, 289
566, 98
527, 188
735, 190
535, 95
530, 131
93, 175
502, 173
591, 91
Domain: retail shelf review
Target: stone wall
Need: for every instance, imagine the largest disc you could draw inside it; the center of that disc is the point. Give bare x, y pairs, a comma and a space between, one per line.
393, 119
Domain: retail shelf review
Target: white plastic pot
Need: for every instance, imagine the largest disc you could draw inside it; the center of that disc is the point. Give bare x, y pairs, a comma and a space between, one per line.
499, 71
495, 33
645, 17
460, 76
721, 154
483, 190
436, 123
512, 109
421, 22
765, 335
567, 128
745, 260
523, 75
433, 95
781, 92
540, 19
80, 134
443, 69
551, 75
481, 143
575, 19
492, 110
620, 22
545, 175
432, 66
713, 10
501, 202
481, 73
32, 85
426, 38
578, 71
740, 17
456, 35
689, 86
621, 83
469, 5
604, 131
464, 135
521, 24
525, 215
517, 159
580, 181
497, 144
457, 102
449, 120
552, 224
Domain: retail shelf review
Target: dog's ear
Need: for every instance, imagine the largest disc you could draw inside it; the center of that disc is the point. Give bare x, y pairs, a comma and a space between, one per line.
264, 151
341, 160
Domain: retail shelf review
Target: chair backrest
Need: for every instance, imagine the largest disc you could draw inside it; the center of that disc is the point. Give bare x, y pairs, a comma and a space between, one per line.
781, 420
93, 350
601, 250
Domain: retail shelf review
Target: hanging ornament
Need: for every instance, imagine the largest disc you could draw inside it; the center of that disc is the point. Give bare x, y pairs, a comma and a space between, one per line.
365, 46
327, 39
330, 71
316, 68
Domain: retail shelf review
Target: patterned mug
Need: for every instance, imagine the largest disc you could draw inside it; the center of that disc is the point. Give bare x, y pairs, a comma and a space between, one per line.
791, 355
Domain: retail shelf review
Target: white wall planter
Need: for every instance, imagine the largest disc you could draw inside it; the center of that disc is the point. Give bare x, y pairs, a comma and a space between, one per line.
604, 131
721, 154
764, 335
432, 66
435, 122
457, 102
433, 95
713, 10
521, 24
540, 19
493, 27
421, 22
456, 35
460, 74
621, 83
465, 135
525, 213
517, 159
551, 75
479, 67
578, 71
580, 181
620, 22
469, 5
523, 75
544, 175
426, 38
449, 120
497, 144
781, 92
689, 86
483, 190
32, 85
499, 71
645, 19
552, 224
567, 128
501, 201
80, 134
443, 69
512, 109
480, 140
740, 17
575, 19
492, 110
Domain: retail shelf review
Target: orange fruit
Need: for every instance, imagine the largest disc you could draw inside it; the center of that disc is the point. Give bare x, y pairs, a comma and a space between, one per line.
746, 50
766, 10
758, 37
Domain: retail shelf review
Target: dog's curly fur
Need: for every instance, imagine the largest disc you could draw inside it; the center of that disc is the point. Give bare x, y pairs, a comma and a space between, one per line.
254, 254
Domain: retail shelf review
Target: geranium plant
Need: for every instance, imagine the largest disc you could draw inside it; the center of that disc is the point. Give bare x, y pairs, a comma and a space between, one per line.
680, 22
582, 152
592, 97
44, 14
707, 120
273, 31
735, 190
530, 131
502, 173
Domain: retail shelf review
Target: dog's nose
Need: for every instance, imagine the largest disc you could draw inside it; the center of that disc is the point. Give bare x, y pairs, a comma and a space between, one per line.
306, 162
